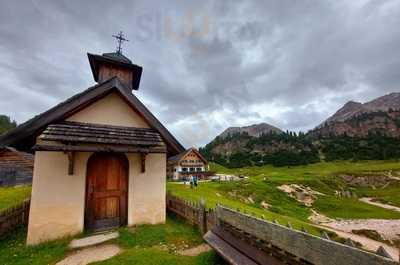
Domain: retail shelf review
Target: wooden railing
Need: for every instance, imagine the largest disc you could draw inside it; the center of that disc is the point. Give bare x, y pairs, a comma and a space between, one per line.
194, 213
14, 217
303, 246
284, 242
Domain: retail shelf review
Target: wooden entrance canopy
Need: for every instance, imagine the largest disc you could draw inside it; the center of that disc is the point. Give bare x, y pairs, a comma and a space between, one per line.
78, 132
87, 137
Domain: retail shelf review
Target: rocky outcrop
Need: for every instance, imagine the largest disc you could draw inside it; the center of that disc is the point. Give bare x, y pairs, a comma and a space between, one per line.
366, 180
302, 194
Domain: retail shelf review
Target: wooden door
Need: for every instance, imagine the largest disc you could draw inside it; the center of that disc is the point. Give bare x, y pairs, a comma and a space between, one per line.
106, 191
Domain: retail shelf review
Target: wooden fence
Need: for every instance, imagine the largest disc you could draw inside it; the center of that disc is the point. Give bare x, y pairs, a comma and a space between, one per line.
296, 247
194, 213
303, 246
14, 217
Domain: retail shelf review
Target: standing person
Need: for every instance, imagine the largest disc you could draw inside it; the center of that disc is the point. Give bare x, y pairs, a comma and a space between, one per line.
191, 182
195, 181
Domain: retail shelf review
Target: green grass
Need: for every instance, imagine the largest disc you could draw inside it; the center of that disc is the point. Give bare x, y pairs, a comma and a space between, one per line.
12, 196
323, 177
175, 233
389, 195
209, 192
158, 244
352, 209
311, 171
13, 250
153, 256
145, 244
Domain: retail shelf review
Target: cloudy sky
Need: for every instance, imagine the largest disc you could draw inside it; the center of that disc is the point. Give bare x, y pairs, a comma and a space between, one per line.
207, 65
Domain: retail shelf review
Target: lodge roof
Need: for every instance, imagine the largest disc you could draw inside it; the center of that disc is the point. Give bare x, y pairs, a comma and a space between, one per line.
79, 132
177, 158
24, 136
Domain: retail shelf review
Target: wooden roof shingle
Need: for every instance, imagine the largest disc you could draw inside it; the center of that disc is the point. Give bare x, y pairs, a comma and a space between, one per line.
79, 132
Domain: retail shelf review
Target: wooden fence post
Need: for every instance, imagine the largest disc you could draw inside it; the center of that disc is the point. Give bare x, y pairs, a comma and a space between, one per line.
202, 217
398, 246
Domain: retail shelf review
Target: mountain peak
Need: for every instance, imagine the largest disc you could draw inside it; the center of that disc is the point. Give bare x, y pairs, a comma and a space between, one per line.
254, 130
352, 108
349, 110
352, 104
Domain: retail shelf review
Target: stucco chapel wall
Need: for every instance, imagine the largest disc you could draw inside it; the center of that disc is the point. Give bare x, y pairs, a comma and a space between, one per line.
58, 199
146, 201
110, 110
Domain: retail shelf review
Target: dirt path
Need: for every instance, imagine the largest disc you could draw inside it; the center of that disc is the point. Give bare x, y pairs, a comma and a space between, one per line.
367, 243
382, 205
390, 175
91, 254
195, 251
388, 229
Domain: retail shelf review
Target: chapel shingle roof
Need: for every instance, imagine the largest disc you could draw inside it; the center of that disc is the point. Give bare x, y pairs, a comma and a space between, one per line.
79, 132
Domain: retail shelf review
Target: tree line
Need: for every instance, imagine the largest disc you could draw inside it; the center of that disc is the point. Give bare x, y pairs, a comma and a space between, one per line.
6, 124
292, 149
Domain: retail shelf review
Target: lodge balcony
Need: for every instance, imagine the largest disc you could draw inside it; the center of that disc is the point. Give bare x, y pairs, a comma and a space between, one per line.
192, 172
191, 165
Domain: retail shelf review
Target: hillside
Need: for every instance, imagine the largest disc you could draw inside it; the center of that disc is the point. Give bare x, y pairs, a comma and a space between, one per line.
241, 149
356, 131
321, 193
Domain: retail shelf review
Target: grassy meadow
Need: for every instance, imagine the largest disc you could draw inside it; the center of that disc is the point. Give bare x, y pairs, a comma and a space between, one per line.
158, 244
13, 250
261, 187
145, 244
14, 195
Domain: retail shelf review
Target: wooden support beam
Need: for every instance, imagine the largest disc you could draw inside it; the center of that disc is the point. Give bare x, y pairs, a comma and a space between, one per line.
71, 162
143, 161
115, 149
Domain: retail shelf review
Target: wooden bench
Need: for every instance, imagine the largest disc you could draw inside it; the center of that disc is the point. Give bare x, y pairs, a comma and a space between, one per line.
237, 251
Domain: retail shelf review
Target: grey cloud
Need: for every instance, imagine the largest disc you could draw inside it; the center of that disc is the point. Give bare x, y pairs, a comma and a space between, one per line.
290, 63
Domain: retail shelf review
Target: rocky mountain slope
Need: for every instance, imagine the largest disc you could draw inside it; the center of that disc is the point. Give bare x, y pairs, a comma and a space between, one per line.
356, 131
380, 122
254, 130
381, 115
352, 109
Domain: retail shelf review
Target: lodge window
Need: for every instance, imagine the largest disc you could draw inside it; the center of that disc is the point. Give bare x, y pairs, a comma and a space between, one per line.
191, 169
198, 169
184, 169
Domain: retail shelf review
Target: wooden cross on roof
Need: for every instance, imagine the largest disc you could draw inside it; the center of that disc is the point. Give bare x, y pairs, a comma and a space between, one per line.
120, 38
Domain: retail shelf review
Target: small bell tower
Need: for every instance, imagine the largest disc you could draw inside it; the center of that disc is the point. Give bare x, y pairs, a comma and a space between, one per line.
115, 64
